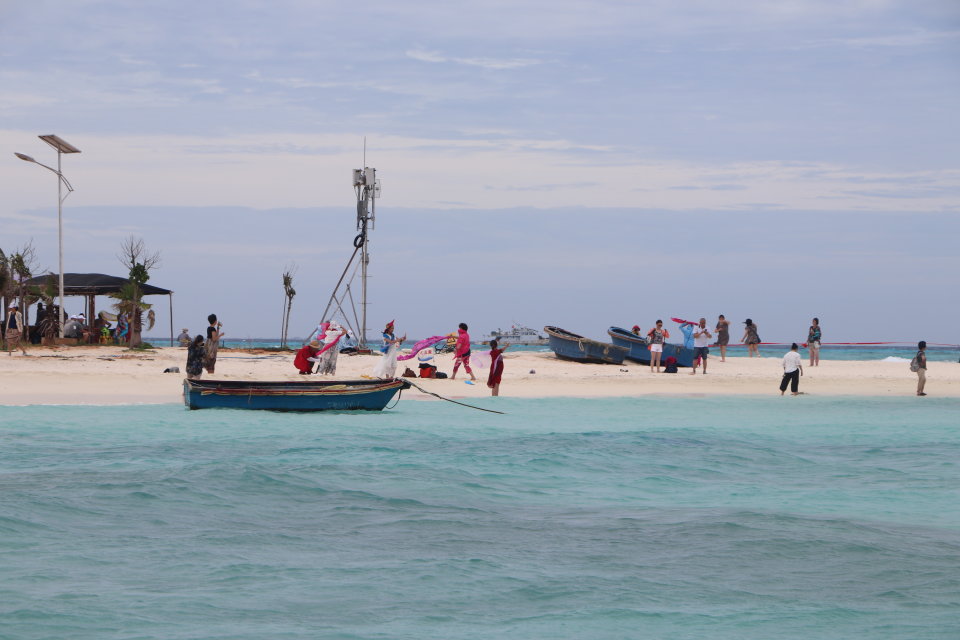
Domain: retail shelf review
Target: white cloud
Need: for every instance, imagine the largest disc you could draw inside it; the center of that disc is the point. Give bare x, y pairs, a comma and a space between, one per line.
484, 62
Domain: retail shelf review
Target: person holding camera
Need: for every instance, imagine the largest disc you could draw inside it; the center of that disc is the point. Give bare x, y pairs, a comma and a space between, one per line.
214, 334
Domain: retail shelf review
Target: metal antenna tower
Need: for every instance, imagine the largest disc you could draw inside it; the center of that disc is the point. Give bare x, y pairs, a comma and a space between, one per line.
367, 188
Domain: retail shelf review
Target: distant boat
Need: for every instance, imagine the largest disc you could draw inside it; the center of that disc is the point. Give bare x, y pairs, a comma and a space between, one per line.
638, 351
570, 346
293, 395
517, 335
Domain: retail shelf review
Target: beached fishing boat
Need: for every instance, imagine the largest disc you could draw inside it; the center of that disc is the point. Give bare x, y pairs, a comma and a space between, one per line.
638, 351
570, 346
308, 395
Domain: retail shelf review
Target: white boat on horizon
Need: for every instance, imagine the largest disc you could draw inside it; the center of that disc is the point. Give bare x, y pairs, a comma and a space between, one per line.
517, 334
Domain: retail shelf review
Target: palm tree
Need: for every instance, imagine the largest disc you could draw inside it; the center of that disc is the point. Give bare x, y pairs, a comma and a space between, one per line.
133, 254
289, 292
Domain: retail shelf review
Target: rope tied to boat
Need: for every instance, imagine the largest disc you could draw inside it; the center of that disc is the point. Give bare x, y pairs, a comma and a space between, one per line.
462, 404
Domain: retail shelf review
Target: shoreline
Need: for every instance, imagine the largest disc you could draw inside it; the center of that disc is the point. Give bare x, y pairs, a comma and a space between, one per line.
110, 375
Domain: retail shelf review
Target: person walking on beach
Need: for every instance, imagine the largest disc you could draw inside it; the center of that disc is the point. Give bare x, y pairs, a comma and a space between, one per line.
792, 370
723, 336
656, 337
196, 353
751, 338
184, 338
701, 345
813, 342
919, 365
13, 329
461, 354
496, 367
214, 334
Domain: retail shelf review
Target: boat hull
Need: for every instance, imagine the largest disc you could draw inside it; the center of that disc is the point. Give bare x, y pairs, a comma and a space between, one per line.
570, 346
638, 351
326, 395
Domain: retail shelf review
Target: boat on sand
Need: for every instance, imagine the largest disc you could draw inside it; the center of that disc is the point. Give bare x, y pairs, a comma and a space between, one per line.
639, 351
570, 346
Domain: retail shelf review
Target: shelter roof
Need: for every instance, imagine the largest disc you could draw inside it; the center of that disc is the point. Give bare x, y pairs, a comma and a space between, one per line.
86, 284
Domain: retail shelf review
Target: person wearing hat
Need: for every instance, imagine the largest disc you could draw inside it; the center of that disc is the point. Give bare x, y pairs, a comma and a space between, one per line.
305, 357
751, 338
635, 330
13, 328
184, 338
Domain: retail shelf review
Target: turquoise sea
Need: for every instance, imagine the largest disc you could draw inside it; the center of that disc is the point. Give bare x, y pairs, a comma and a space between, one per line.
655, 517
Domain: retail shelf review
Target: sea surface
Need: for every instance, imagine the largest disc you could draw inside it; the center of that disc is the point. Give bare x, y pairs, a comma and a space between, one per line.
658, 517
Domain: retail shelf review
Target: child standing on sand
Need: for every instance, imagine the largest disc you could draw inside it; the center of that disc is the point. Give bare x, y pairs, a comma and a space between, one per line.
461, 355
496, 367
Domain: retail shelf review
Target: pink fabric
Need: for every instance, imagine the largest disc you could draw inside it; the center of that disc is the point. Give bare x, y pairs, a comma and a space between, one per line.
420, 346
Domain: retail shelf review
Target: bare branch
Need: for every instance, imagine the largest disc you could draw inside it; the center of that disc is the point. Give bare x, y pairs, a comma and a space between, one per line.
133, 251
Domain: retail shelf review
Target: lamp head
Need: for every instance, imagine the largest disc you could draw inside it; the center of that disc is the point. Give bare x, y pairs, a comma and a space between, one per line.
23, 157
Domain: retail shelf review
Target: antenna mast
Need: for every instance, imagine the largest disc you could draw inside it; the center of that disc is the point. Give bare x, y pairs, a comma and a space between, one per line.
367, 187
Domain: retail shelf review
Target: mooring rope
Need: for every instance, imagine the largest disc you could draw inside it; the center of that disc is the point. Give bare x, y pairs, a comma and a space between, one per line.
437, 395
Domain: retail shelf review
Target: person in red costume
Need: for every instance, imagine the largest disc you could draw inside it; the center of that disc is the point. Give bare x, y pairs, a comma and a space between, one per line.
496, 367
305, 357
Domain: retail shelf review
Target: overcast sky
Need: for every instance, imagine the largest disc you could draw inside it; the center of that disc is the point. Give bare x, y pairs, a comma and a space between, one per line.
579, 164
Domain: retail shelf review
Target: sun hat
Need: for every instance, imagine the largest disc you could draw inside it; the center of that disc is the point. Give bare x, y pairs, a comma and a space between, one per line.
314, 344
635, 327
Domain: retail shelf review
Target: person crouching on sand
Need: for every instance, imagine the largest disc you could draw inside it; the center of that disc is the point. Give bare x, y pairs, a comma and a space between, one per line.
305, 357
496, 367
792, 370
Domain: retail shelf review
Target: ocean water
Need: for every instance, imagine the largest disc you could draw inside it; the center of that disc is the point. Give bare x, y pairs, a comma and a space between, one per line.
611, 518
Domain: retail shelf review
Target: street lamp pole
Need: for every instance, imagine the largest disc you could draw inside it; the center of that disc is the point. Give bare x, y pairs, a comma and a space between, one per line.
62, 147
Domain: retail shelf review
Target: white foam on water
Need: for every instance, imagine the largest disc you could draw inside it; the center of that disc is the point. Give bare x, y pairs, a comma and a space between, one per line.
895, 359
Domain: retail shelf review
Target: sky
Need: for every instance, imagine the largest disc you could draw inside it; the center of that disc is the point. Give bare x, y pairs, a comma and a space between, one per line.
579, 164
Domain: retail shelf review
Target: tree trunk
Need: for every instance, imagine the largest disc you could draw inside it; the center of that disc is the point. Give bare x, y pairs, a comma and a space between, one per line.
286, 322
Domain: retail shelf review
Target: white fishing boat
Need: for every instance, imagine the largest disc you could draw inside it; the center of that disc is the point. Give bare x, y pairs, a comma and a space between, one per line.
517, 334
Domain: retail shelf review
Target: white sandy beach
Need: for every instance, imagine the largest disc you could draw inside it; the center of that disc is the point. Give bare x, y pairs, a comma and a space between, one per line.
101, 375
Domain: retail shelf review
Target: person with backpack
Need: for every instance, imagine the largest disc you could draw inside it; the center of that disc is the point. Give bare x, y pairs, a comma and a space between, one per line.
919, 365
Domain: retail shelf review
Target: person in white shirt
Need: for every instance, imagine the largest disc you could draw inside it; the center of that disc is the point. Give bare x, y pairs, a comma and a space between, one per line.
792, 370
701, 346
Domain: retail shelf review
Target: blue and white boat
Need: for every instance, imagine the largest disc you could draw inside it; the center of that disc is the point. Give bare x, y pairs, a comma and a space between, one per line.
639, 351
570, 346
307, 395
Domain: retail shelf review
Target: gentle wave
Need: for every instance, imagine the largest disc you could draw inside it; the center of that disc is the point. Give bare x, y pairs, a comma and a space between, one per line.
614, 518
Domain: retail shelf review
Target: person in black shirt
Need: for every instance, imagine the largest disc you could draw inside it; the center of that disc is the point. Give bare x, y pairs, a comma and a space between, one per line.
214, 334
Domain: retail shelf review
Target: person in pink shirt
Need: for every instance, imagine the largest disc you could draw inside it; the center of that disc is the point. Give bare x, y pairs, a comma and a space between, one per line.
461, 353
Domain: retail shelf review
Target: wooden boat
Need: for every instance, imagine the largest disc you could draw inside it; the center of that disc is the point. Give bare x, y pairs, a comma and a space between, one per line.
293, 395
638, 351
570, 346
